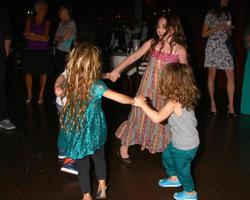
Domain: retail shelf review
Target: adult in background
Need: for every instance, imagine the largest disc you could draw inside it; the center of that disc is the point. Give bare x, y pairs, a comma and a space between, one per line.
37, 58
245, 98
218, 55
65, 37
5, 42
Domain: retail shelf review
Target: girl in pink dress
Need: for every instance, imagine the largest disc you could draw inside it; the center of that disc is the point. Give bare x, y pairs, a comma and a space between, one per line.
169, 46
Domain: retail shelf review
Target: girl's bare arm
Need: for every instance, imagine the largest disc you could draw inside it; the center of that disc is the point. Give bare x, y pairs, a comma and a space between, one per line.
155, 116
118, 97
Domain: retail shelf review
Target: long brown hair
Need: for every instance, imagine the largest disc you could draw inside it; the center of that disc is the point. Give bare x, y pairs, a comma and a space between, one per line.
177, 83
83, 68
178, 37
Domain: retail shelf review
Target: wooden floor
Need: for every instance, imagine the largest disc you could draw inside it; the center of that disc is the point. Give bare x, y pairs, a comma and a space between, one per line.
29, 169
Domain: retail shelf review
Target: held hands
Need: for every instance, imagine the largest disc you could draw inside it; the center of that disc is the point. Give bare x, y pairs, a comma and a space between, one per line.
58, 90
114, 75
105, 76
139, 101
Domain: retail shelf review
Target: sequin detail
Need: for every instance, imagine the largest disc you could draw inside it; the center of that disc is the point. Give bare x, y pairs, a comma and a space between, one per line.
93, 129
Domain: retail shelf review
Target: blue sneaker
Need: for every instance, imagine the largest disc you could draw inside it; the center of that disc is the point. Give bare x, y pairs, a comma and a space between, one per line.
185, 196
167, 182
69, 166
61, 153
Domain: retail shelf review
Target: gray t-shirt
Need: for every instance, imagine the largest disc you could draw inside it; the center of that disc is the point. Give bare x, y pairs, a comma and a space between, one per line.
184, 133
62, 29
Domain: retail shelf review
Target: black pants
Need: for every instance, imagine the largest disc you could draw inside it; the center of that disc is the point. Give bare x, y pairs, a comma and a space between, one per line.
83, 168
60, 61
3, 111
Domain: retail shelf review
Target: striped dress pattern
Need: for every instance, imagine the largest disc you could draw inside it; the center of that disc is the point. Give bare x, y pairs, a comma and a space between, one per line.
138, 128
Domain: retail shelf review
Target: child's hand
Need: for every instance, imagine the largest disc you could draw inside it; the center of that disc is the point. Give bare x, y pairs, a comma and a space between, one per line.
106, 76
140, 101
58, 90
114, 75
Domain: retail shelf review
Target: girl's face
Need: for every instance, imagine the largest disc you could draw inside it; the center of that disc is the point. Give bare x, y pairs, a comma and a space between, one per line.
161, 27
224, 3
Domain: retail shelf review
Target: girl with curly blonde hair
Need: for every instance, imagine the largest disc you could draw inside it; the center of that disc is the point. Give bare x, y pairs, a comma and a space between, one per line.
83, 126
178, 87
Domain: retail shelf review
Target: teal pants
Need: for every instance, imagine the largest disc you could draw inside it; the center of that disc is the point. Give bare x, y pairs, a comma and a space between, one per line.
245, 98
178, 163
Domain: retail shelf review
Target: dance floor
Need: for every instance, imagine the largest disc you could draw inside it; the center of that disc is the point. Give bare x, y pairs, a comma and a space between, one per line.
29, 168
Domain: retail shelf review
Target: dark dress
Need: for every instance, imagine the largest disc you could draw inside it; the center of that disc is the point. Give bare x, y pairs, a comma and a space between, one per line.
37, 58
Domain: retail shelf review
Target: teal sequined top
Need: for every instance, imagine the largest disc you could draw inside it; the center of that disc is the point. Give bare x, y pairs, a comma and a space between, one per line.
79, 143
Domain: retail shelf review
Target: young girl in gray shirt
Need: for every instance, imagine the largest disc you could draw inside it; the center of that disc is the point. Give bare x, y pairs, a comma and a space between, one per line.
178, 87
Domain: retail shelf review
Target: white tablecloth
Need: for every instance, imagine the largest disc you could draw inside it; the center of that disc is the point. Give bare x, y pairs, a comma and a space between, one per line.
115, 60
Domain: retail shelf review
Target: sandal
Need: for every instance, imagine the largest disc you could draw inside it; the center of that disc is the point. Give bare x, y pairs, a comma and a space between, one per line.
101, 194
124, 160
28, 100
40, 100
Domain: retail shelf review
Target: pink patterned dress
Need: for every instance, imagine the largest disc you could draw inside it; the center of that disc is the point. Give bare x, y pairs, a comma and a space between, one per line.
139, 129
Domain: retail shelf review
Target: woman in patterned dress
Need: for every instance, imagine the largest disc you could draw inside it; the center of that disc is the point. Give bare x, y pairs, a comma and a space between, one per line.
167, 47
217, 27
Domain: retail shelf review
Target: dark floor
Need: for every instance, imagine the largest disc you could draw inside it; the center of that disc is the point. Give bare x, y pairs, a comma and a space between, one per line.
29, 169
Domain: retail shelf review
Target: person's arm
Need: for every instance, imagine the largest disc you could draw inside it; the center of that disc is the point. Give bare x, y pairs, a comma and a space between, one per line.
67, 35
105, 75
118, 97
155, 116
115, 74
7, 33
182, 53
39, 37
59, 85
207, 31
26, 32
134, 57
7, 45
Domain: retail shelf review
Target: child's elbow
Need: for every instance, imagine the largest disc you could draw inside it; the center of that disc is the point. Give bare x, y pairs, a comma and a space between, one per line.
157, 120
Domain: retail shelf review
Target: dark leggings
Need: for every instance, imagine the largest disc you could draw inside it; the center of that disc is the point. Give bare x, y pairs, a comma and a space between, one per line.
83, 168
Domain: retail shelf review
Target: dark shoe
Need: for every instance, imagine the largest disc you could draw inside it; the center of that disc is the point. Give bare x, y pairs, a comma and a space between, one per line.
215, 114
233, 115
101, 194
124, 160
230, 114
69, 166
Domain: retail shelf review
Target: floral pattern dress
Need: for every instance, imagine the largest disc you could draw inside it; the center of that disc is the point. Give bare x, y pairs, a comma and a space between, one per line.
216, 52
